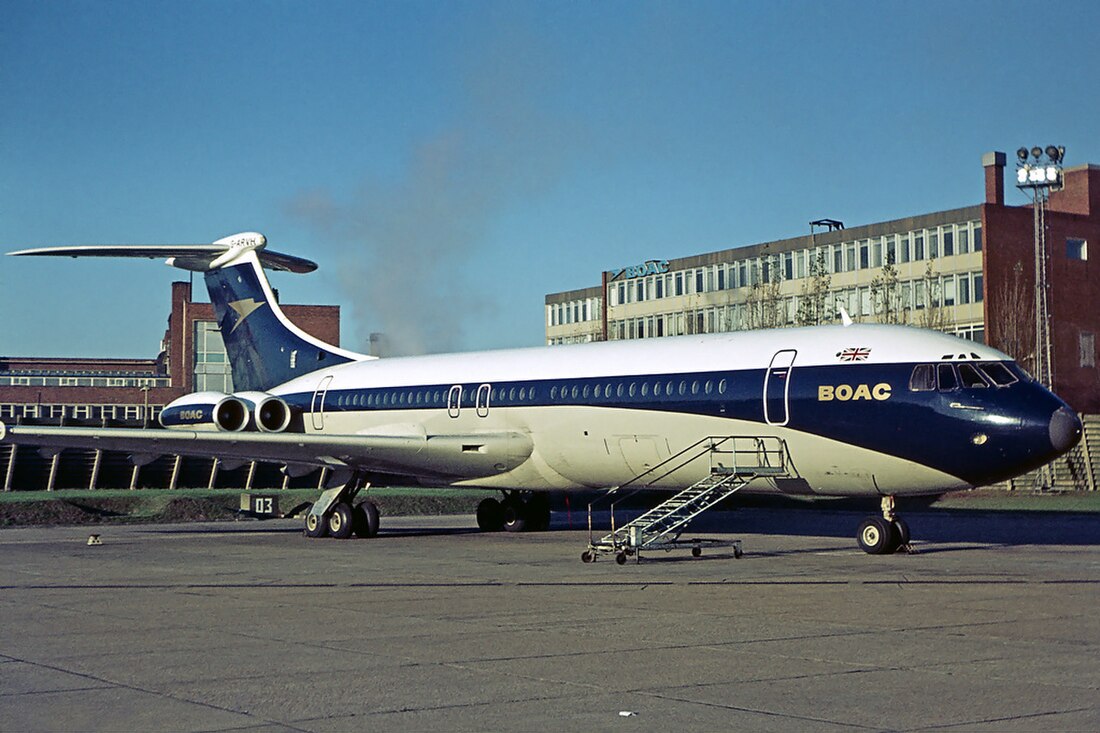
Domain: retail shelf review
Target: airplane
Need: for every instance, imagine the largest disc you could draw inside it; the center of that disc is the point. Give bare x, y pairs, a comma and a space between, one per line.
853, 410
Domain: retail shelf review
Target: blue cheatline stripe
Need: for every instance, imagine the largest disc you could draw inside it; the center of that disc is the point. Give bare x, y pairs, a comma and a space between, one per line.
923, 427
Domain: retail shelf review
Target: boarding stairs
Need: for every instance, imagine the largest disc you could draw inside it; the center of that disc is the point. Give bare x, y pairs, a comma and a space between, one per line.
735, 461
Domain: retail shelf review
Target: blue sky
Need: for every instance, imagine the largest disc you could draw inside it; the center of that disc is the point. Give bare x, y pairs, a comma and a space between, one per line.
449, 163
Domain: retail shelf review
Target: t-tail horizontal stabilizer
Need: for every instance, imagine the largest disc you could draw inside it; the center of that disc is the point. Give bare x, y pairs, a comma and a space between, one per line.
265, 349
196, 257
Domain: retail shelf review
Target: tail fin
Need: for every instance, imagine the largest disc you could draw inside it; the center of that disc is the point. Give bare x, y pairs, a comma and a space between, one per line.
265, 349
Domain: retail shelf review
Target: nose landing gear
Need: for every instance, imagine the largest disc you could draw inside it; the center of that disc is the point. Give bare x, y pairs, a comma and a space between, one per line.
886, 534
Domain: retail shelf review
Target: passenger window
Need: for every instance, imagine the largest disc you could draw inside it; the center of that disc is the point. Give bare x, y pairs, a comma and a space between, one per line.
948, 380
721, 386
923, 378
683, 387
998, 373
522, 394
633, 389
554, 392
645, 389
970, 377
619, 390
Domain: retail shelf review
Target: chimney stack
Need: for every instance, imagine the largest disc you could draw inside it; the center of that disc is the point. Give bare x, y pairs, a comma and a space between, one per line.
994, 164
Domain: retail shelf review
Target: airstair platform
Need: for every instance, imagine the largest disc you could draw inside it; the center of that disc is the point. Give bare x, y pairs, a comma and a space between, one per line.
735, 462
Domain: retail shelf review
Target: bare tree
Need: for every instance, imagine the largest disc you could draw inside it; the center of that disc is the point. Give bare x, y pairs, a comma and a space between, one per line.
933, 316
813, 302
886, 299
1012, 327
764, 307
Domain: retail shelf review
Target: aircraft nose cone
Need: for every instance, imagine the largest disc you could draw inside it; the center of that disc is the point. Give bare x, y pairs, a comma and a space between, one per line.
1065, 429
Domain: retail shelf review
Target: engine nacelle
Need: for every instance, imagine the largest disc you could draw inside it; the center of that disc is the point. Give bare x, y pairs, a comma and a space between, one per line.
270, 414
206, 411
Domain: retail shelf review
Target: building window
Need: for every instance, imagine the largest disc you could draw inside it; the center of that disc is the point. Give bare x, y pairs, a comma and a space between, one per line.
1087, 343
978, 295
1077, 249
948, 241
977, 237
918, 247
964, 239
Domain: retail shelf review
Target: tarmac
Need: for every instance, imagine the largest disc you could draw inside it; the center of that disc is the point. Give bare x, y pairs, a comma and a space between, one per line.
249, 626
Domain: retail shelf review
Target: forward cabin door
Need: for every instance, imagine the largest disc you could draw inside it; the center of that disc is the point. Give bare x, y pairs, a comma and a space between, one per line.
777, 387
317, 408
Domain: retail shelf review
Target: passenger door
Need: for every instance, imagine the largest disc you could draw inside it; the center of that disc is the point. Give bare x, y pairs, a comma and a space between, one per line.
777, 387
317, 408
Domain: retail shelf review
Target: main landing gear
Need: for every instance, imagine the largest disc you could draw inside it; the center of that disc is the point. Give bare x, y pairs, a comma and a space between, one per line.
519, 511
336, 515
886, 534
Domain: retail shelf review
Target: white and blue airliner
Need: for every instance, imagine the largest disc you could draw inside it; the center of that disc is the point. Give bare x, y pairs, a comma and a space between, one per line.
859, 410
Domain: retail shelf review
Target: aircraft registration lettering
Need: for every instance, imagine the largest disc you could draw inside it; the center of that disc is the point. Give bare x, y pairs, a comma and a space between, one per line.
846, 392
191, 414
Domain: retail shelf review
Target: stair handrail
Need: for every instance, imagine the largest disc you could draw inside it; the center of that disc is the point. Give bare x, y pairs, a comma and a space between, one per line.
713, 445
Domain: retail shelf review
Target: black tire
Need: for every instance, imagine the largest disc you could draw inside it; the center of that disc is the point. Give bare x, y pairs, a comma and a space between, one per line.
315, 526
538, 513
876, 536
620, 558
490, 515
340, 522
697, 552
588, 556
901, 533
514, 515
364, 520
737, 552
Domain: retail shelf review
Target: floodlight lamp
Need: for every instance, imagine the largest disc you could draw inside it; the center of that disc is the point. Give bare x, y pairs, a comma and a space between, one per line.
1061, 153
1036, 152
1022, 155
1036, 175
1052, 153
1052, 174
1021, 175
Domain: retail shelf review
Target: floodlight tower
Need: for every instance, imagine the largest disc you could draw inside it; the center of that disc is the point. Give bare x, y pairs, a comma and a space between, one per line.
1041, 171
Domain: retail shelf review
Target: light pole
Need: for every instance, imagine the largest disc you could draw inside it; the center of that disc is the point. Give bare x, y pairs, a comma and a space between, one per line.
1041, 171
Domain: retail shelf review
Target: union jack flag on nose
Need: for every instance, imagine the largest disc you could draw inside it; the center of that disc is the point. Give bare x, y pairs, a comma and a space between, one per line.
856, 354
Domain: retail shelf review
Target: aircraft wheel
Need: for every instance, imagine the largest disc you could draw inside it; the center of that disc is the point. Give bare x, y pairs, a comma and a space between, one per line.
876, 536
315, 526
620, 558
901, 533
340, 521
738, 553
538, 513
588, 556
364, 520
514, 515
490, 515
697, 552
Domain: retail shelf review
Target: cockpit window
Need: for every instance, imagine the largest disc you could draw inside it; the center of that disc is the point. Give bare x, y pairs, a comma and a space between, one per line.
998, 373
923, 378
948, 381
970, 377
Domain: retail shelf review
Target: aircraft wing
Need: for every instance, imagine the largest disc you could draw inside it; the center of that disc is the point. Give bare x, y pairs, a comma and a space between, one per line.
404, 450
